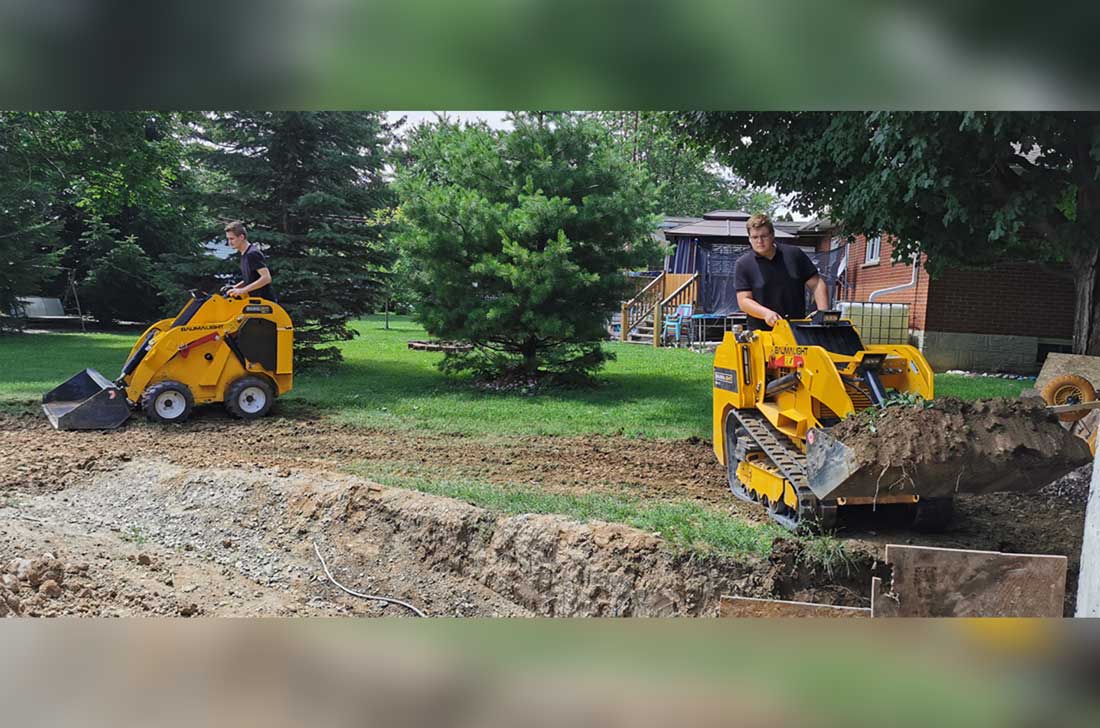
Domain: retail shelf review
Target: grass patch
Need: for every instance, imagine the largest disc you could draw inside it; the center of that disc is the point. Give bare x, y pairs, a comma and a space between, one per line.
685, 526
828, 554
645, 392
971, 388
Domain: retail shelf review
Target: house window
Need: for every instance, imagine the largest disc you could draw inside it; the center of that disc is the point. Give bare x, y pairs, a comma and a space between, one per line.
873, 245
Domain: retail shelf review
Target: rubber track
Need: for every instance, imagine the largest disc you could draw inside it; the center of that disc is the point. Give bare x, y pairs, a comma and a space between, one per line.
788, 461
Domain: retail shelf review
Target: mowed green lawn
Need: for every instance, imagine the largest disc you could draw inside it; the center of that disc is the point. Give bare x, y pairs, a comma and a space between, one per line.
646, 392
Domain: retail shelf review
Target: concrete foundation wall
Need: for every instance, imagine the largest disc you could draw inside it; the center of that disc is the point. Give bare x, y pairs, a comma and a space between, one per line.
980, 352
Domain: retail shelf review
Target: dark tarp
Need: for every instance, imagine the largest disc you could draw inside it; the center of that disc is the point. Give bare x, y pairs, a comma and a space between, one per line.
828, 266
683, 260
717, 294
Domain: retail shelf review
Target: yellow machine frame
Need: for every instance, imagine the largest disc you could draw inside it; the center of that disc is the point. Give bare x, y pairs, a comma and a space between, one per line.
798, 387
198, 354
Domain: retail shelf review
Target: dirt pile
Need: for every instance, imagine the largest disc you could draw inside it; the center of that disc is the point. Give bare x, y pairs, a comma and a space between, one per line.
949, 446
40, 586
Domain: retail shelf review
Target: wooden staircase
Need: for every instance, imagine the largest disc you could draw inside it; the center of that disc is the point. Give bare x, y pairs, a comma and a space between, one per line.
641, 317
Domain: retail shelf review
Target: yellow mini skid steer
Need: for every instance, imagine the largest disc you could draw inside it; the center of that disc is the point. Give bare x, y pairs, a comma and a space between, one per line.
233, 350
778, 395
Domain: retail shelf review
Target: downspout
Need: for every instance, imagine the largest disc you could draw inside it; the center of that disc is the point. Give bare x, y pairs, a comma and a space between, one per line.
902, 287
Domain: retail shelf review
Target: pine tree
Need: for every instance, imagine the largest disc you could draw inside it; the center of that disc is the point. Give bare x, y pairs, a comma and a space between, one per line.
308, 185
521, 238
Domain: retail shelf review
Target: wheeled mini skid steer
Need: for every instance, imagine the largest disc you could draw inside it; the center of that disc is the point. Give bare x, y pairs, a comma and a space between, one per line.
779, 394
233, 350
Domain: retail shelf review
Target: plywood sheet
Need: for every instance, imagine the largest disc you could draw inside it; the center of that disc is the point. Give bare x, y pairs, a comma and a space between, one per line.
938, 582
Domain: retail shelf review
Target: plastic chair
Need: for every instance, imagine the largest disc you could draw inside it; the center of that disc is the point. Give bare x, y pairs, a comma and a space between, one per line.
673, 326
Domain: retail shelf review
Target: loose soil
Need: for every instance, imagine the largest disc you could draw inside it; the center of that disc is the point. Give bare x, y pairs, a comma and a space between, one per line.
953, 446
218, 517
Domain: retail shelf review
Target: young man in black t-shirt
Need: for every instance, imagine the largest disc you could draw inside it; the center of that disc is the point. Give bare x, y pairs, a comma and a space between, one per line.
255, 275
770, 280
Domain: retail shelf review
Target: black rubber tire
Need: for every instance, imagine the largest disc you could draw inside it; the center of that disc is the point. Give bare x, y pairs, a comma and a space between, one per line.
166, 414
238, 401
933, 514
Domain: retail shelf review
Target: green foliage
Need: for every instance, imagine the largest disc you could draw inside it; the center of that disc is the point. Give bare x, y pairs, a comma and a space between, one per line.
27, 232
689, 180
309, 186
130, 182
120, 284
522, 237
77, 183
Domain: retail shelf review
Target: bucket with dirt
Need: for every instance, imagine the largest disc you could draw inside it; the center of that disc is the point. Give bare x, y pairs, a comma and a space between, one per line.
945, 447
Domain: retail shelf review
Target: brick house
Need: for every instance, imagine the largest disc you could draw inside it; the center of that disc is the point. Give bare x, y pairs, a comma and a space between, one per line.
1006, 318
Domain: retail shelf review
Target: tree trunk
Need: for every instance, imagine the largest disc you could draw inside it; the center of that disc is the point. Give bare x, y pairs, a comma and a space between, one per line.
530, 357
387, 314
1086, 315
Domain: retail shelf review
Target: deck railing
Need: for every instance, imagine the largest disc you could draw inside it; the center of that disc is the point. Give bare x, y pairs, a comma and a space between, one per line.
638, 308
688, 292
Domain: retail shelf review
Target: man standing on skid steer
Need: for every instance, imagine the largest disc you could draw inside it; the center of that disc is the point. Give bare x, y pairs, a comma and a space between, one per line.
255, 275
770, 283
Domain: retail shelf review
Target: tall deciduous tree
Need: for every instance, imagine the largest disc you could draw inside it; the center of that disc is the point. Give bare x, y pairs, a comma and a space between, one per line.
128, 205
689, 179
81, 183
522, 238
308, 185
967, 188
28, 225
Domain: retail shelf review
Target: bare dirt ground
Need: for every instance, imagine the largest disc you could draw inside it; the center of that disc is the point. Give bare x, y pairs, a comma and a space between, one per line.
219, 518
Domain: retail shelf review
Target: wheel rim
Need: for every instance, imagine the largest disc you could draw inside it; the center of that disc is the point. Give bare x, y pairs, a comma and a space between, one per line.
170, 405
252, 400
1067, 395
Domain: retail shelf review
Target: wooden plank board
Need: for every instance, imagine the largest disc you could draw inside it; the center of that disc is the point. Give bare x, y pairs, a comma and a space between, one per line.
939, 582
438, 346
755, 608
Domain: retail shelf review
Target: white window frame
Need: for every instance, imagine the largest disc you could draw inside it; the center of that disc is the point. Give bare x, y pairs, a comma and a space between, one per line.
872, 244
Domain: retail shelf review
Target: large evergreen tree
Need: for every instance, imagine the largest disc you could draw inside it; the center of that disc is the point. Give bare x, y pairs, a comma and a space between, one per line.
522, 238
307, 185
967, 188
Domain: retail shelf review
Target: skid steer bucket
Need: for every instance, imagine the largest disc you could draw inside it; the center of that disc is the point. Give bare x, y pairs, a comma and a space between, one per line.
86, 401
834, 470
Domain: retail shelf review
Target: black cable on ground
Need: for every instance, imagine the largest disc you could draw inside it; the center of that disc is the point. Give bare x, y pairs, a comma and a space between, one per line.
377, 598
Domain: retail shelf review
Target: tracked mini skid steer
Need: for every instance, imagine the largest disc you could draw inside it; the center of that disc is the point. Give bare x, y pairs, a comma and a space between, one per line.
233, 350
778, 394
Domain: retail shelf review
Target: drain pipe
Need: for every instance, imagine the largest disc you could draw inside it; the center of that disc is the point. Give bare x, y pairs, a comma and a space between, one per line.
902, 287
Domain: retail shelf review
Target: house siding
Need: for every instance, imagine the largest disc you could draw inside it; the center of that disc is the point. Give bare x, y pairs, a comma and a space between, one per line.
864, 279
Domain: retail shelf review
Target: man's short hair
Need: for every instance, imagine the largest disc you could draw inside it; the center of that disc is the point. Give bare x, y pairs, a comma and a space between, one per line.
757, 221
237, 228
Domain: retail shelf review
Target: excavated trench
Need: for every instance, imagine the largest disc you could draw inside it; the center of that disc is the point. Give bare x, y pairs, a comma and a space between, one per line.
245, 543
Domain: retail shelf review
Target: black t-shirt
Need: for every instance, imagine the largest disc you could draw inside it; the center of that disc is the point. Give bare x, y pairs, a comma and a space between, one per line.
252, 260
778, 284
